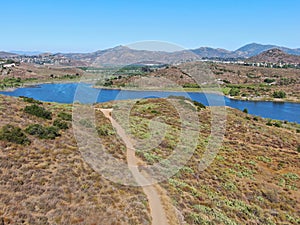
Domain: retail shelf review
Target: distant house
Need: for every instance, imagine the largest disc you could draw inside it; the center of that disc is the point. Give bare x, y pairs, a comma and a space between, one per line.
9, 65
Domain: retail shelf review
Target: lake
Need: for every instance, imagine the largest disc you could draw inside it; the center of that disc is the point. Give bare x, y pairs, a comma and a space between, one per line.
85, 93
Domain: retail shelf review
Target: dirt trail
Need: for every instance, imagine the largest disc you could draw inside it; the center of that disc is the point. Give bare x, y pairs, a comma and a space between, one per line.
156, 207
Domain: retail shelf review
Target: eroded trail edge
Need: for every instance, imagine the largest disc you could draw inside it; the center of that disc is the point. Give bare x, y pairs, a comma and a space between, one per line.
156, 207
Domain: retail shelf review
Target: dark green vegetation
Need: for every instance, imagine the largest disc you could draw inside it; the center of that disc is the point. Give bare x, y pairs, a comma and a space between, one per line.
31, 100
279, 94
38, 111
234, 91
43, 132
105, 130
13, 134
11, 82
16, 135
65, 116
63, 125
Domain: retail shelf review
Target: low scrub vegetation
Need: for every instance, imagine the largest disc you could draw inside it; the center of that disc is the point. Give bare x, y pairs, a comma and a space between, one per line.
13, 134
43, 132
105, 130
30, 100
38, 111
65, 116
279, 94
61, 124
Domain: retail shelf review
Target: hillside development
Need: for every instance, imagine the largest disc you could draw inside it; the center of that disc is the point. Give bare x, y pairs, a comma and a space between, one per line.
254, 179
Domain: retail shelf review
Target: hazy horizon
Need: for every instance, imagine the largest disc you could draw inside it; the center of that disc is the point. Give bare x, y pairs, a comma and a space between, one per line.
135, 48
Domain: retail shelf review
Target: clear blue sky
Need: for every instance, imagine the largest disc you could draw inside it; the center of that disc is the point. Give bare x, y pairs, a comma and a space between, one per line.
82, 26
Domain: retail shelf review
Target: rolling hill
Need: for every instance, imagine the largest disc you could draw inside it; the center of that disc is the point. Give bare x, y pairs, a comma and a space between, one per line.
7, 55
254, 178
122, 55
275, 56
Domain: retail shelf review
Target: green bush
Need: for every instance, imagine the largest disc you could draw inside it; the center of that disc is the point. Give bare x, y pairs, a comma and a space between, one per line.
86, 123
245, 110
38, 111
65, 116
298, 149
30, 100
13, 134
269, 81
105, 130
234, 92
279, 94
43, 132
191, 85
199, 105
278, 124
61, 124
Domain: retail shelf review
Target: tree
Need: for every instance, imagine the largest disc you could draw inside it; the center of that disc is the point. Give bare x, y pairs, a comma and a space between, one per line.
279, 94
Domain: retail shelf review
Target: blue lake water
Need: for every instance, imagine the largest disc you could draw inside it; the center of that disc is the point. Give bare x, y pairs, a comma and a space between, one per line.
85, 93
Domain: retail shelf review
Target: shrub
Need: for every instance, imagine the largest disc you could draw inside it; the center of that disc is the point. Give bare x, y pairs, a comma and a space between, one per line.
269, 123
279, 94
31, 100
245, 110
105, 130
269, 81
43, 132
65, 116
234, 92
38, 111
61, 124
298, 148
13, 134
277, 124
191, 85
86, 123
199, 105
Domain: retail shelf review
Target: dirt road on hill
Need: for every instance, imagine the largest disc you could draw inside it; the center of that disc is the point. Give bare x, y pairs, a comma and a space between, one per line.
156, 207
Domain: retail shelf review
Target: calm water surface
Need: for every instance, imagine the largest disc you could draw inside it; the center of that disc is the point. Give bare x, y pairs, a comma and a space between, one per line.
85, 93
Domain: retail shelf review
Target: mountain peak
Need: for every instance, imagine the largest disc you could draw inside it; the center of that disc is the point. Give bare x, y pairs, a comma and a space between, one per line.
120, 47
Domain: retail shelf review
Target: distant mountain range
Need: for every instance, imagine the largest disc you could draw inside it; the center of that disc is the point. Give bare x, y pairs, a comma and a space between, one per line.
28, 53
255, 49
122, 55
7, 55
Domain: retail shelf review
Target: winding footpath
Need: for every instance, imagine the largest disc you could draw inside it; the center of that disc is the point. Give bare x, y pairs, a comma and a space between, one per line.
156, 207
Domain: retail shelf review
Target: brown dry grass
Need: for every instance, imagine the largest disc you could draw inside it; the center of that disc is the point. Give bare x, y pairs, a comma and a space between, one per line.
254, 179
48, 182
